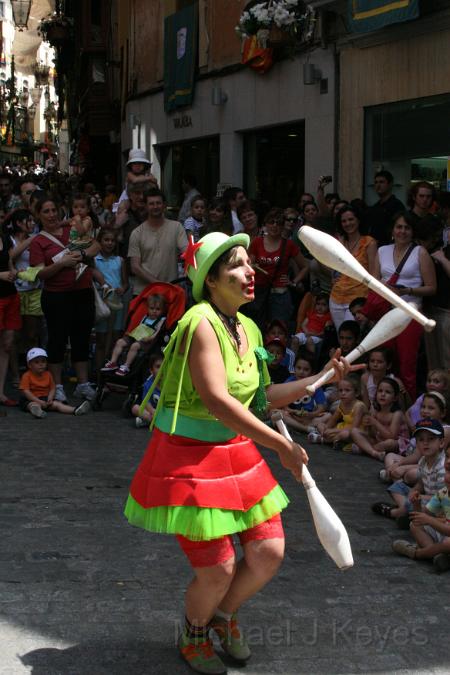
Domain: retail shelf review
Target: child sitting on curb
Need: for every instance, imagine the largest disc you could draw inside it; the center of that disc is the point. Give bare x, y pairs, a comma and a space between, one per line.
430, 525
302, 414
38, 389
313, 327
429, 434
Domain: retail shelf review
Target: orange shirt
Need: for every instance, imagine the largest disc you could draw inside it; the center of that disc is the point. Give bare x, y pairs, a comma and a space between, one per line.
345, 289
39, 385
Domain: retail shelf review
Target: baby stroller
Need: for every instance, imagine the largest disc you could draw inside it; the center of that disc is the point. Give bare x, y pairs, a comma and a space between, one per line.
130, 384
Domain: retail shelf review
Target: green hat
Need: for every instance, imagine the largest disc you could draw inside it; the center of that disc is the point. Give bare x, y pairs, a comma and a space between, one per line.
205, 252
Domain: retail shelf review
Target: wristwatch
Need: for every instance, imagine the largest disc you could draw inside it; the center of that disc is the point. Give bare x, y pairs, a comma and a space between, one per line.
83, 254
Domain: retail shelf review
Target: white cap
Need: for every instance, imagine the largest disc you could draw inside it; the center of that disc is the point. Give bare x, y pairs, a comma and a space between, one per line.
35, 352
137, 155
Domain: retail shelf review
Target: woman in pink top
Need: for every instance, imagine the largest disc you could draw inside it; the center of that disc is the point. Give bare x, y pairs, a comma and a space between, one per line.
67, 301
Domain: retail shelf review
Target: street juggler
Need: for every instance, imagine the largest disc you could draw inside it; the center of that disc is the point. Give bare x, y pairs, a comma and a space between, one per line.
202, 477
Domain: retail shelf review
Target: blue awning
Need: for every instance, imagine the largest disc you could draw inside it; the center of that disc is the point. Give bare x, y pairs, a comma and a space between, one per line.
369, 15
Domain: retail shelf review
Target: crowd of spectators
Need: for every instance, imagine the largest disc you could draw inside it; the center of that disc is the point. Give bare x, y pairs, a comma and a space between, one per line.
61, 237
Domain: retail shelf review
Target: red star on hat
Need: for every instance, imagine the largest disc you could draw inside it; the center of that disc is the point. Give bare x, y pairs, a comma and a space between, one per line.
189, 255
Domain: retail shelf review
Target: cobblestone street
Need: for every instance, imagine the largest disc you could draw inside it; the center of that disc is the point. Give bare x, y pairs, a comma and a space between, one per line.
82, 593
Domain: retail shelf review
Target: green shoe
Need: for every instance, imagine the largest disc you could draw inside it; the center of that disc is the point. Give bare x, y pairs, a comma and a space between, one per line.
201, 657
231, 638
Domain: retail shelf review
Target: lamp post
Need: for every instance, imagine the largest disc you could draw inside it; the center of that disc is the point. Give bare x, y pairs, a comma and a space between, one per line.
21, 12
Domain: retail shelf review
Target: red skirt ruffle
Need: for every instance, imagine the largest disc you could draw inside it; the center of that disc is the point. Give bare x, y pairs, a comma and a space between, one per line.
180, 471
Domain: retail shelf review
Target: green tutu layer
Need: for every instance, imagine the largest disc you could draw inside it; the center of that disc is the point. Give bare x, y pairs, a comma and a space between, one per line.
201, 524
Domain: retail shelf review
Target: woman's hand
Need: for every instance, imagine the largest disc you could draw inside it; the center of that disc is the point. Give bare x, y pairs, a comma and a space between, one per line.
292, 457
71, 259
340, 366
8, 276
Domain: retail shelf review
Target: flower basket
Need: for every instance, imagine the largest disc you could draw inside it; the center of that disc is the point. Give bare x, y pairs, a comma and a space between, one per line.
56, 29
278, 37
277, 23
57, 34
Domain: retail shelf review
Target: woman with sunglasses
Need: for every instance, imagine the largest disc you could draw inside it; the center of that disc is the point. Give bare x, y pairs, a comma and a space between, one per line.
271, 256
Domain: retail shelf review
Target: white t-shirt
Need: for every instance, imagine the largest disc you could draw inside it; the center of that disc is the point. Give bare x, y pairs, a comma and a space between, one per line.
158, 249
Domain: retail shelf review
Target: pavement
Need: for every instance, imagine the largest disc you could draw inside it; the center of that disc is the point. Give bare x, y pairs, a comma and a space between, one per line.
83, 593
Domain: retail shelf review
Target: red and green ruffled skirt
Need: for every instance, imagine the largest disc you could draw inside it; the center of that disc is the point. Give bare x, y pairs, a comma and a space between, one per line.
202, 490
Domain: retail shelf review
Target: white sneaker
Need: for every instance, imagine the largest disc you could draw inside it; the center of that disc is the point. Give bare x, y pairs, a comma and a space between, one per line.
60, 394
139, 422
36, 410
384, 476
82, 409
85, 390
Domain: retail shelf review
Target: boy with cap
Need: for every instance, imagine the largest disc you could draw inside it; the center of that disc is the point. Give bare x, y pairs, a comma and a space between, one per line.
429, 435
430, 523
38, 389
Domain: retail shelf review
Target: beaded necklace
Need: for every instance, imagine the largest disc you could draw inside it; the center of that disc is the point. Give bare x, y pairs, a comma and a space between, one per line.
231, 323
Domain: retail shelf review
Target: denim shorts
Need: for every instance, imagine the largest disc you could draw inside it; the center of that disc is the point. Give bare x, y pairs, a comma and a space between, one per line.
436, 536
401, 488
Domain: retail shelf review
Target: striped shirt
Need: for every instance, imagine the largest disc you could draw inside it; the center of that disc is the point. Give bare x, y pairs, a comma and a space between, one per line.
432, 477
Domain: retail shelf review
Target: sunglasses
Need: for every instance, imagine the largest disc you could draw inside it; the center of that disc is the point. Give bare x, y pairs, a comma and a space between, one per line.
28, 192
274, 222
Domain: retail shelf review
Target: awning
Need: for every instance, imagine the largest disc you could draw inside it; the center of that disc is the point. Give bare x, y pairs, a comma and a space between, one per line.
369, 15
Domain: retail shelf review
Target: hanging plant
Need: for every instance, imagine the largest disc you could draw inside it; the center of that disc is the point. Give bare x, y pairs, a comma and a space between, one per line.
56, 28
277, 21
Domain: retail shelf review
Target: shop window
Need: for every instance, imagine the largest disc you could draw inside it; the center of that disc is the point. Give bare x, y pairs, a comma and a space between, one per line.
411, 140
274, 164
197, 157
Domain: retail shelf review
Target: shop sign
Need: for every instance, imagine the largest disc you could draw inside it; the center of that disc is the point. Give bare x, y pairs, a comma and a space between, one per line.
182, 122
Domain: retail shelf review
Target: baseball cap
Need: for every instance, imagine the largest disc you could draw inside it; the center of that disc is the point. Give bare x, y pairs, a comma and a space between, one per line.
433, 426
35, 352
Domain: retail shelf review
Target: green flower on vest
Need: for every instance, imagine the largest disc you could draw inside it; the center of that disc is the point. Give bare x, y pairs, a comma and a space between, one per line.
259, 405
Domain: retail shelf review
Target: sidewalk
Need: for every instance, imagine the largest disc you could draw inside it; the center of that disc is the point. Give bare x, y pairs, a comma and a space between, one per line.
83, 593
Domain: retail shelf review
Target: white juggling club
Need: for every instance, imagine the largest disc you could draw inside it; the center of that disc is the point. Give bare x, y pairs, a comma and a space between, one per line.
389, 326
329, 527
330, 252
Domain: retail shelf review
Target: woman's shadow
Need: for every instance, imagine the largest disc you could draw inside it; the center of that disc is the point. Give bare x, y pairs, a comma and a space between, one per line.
136, 657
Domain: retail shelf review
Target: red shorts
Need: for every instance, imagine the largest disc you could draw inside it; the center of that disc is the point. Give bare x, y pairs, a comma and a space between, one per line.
10, 318
216, 551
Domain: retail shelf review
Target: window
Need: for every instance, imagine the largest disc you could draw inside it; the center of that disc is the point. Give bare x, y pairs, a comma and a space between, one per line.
411, 140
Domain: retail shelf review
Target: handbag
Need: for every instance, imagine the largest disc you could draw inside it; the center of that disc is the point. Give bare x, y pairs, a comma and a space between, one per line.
102, 311
376, 306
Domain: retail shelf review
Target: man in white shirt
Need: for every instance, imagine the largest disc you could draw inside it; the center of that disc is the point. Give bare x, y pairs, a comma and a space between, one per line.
189, 185
155, 245
235, 196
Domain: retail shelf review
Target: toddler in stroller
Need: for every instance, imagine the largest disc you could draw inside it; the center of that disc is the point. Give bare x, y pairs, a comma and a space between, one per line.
151, 318
140, 337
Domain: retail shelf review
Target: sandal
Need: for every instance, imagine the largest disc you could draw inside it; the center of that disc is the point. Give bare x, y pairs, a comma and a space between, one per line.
382, 509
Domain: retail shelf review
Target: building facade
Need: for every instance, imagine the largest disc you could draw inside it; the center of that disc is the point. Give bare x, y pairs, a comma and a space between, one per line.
394, 103
349, 102
270, 133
